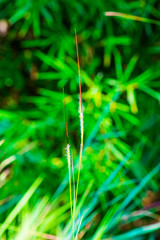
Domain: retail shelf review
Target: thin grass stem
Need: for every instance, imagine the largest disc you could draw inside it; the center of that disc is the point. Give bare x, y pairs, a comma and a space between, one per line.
81, 120
70, 183
80, 221
74, 211
69, 167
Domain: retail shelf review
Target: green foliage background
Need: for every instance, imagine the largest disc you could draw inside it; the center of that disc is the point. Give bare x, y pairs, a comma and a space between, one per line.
120, 71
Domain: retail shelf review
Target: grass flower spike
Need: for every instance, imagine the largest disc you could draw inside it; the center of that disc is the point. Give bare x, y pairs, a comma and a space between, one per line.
69, 165
81, 117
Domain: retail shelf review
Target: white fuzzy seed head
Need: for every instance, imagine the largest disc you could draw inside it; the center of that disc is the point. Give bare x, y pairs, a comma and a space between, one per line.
68, 155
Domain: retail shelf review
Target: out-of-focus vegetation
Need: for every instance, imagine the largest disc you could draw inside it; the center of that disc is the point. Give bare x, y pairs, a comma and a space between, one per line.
120, 72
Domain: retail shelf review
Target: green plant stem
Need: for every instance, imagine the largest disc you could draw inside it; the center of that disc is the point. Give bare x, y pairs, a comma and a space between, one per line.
70, 184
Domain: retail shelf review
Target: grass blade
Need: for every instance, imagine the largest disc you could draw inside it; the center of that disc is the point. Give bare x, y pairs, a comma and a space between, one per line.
132, 17
20, 205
